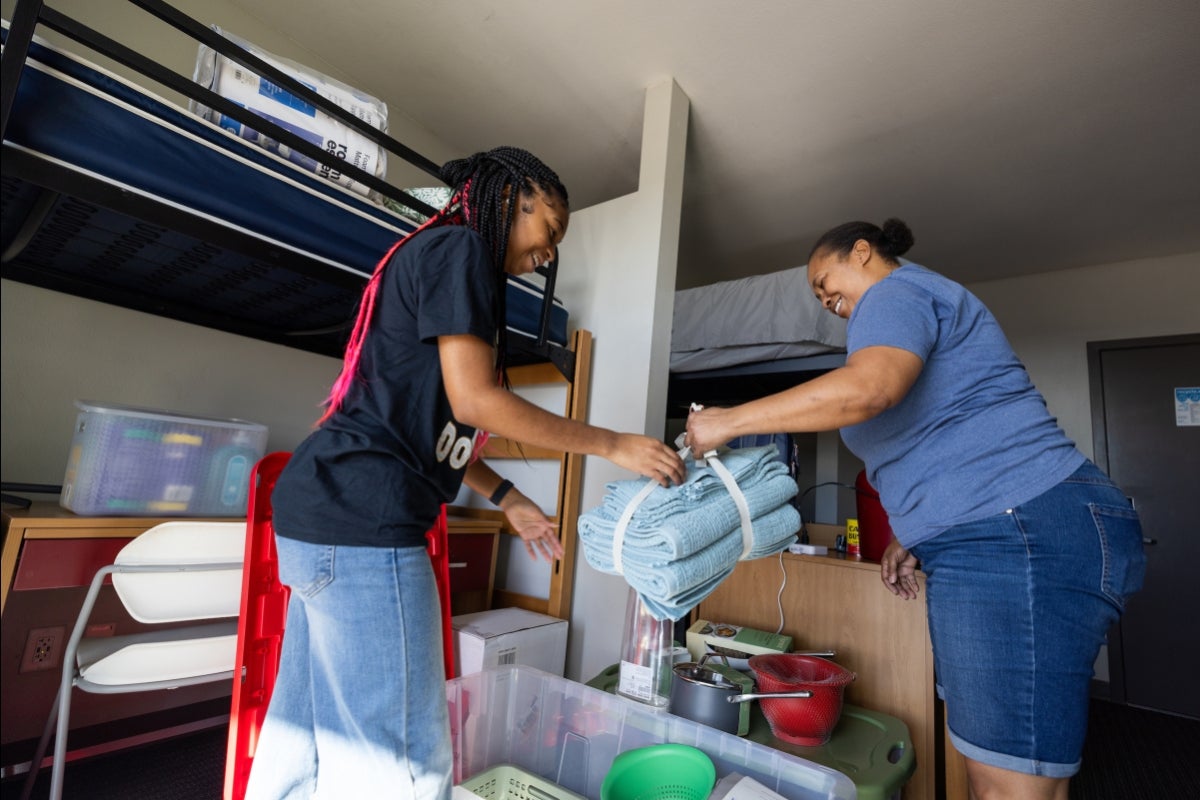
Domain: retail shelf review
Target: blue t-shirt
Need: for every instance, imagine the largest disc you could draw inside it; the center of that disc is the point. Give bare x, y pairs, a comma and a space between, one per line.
972, 437
377, 472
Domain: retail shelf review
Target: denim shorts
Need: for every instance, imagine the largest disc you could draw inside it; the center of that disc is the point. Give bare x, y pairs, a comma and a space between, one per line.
1019, 605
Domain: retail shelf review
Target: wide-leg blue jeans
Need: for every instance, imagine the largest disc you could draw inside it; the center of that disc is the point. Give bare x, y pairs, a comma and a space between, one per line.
359, 704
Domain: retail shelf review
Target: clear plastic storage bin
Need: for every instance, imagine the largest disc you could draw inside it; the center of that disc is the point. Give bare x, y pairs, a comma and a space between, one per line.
569, 733
141, 461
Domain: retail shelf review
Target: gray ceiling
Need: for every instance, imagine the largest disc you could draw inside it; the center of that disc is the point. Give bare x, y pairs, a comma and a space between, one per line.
1014, 136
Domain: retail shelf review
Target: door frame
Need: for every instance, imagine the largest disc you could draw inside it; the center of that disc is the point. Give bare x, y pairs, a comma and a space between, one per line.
1116, 664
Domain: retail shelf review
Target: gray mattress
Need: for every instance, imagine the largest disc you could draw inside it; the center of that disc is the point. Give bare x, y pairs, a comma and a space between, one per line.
760, 318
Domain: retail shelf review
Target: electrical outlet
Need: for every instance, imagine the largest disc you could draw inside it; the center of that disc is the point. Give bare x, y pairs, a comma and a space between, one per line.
43, 649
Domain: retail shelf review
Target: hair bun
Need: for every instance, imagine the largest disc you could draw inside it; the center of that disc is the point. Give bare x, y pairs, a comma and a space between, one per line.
898, 236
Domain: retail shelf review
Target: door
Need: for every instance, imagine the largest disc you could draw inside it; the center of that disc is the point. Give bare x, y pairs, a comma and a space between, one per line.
1153, 453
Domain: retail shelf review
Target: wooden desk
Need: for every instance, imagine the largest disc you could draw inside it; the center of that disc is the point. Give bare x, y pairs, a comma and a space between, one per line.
62, 560
50, 555
839, 603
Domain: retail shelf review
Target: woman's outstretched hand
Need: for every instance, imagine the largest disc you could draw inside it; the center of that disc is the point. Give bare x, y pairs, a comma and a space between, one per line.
898, 571
648, 457
539, 534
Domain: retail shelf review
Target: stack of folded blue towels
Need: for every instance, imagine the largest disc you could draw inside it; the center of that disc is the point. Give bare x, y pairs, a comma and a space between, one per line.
682, 541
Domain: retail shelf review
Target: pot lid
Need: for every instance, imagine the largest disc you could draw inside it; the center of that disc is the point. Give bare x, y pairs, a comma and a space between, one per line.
704, 676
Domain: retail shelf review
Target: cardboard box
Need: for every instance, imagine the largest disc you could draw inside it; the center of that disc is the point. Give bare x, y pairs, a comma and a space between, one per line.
733, 639
504, 636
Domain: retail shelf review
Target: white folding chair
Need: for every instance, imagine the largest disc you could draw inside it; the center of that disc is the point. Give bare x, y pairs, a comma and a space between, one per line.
180, 571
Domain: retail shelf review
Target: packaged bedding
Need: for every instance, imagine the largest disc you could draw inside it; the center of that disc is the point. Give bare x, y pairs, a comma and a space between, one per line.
235, 82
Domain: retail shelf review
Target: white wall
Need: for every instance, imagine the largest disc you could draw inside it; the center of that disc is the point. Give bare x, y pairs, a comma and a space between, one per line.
618, 279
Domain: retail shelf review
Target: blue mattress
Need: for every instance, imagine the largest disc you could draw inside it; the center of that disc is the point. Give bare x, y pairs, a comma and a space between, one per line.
112, 193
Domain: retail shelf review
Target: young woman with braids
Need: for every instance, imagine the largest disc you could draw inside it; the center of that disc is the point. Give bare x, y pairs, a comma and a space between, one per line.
1029, 550
359, 708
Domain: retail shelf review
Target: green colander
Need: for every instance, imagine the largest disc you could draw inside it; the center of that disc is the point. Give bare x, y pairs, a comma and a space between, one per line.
660, 772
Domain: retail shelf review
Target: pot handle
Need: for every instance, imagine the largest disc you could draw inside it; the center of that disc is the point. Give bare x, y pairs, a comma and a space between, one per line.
742, 698
706, 656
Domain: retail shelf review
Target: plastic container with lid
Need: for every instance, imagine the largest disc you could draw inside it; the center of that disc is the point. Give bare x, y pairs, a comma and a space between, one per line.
126, 460
571, 733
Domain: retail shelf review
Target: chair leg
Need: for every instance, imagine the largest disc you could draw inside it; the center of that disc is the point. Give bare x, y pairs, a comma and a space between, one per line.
59, 764
35, 765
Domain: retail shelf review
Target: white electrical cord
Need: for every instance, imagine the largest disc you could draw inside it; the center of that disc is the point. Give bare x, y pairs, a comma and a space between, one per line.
779, 597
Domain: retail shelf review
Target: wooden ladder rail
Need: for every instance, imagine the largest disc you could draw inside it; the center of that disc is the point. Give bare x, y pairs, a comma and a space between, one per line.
570, 478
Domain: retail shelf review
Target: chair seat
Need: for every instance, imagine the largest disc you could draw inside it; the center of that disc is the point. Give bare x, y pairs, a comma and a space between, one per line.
160, 655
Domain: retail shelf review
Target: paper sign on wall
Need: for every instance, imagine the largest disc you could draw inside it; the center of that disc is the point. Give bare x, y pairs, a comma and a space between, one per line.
1187, 406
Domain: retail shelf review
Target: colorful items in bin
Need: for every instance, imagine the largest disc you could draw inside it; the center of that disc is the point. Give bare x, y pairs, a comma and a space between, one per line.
182, 453
130, 460
660, 772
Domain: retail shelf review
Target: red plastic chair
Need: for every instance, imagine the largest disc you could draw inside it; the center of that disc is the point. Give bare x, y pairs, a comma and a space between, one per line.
264, 614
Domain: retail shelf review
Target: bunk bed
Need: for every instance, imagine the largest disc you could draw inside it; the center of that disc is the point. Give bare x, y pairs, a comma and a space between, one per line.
113, 193
738, 340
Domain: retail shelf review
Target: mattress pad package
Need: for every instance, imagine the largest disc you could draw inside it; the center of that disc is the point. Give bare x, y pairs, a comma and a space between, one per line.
235, 82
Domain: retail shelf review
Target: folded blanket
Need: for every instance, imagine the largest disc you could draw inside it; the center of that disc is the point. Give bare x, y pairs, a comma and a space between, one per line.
668, 577
679, 528
682, 541
670, 591
676, 521
678, 607
746, 466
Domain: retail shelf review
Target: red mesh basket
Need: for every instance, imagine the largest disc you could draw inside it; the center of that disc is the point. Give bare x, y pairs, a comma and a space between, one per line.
806, 721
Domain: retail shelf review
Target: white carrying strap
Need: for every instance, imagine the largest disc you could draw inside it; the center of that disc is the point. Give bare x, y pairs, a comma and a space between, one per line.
735, 491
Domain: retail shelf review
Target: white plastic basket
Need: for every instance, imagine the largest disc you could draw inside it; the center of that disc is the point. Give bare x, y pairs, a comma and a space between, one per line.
506, 782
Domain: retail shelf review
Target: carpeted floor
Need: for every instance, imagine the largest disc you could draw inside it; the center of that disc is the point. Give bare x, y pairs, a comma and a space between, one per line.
190, 767
1131, 754
1135, 754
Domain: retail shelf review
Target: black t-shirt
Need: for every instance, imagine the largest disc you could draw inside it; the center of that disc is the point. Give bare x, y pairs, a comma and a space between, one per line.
377, 472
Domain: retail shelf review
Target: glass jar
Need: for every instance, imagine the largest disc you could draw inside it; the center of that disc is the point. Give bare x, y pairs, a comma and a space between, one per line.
646, 655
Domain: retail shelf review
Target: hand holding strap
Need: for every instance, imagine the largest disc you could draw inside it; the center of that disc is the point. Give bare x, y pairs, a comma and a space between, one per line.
735, 491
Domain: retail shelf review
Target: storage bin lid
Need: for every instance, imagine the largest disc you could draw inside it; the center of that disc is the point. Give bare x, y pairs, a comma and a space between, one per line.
161, 414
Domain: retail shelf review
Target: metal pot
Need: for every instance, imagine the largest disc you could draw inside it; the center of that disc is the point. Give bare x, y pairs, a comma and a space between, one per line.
701, 694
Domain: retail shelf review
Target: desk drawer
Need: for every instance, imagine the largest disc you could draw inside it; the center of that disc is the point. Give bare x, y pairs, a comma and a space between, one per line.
61, 563
471, 561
